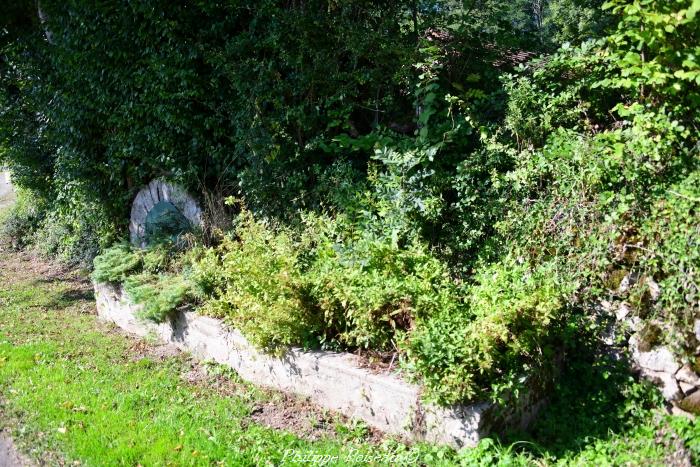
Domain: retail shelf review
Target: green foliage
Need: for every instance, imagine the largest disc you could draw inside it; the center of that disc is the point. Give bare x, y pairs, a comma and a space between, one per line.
512, 327
558, 91
22, 219
409, 186
115, 263
601, 199
255, 99
598, 414
669, 254
257, 286
158, 294
655, 48
74, 236
157, 258
205, 272
324, 288
281, 289
147, 276
26, 148
371, 291
573, 21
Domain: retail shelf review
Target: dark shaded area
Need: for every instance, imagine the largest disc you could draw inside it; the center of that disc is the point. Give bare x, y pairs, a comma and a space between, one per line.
595, 396
71, 296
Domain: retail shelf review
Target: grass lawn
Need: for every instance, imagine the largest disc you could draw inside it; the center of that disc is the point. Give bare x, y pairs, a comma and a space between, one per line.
74, 390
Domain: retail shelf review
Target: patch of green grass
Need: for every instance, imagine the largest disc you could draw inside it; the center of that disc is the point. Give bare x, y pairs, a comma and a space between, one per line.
72, 387
64, 376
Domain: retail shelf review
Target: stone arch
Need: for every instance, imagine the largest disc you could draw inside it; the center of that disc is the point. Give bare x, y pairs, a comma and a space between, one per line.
159, 193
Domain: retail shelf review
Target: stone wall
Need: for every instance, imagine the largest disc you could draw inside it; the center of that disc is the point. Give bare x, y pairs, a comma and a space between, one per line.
677, 380
332, 380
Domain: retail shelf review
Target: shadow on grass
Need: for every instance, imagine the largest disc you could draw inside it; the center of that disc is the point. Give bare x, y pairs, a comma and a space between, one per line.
35, 293
67, 298
594, 397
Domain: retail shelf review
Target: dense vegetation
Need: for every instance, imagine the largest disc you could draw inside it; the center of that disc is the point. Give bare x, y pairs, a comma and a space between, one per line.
460, 182
117, 401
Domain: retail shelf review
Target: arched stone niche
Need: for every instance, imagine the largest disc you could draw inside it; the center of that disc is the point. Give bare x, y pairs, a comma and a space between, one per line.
160, 201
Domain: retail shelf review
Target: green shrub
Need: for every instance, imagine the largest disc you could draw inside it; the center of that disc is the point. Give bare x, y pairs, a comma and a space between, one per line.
260, 289
320, 287
158, 258
205, 271
510, 328
152, 277
23, 218
282, 288
158, 294
72, 236
371, 291
669, 254
116, 263
73, 240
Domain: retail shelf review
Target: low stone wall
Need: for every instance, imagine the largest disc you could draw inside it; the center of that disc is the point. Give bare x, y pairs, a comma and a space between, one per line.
677, 380
332, 380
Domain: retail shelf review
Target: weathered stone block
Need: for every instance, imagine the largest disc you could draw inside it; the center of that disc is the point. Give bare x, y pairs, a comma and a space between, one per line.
691, 403
659, 359
687, 375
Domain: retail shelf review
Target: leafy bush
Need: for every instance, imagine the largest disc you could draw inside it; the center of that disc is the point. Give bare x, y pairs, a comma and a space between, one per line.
511, 326
20, 221
669, 255
615, 198
73, 237
151, 277
258, 287
371, 291
115, 264
158, 257
320, 288
282, 288
205, 271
